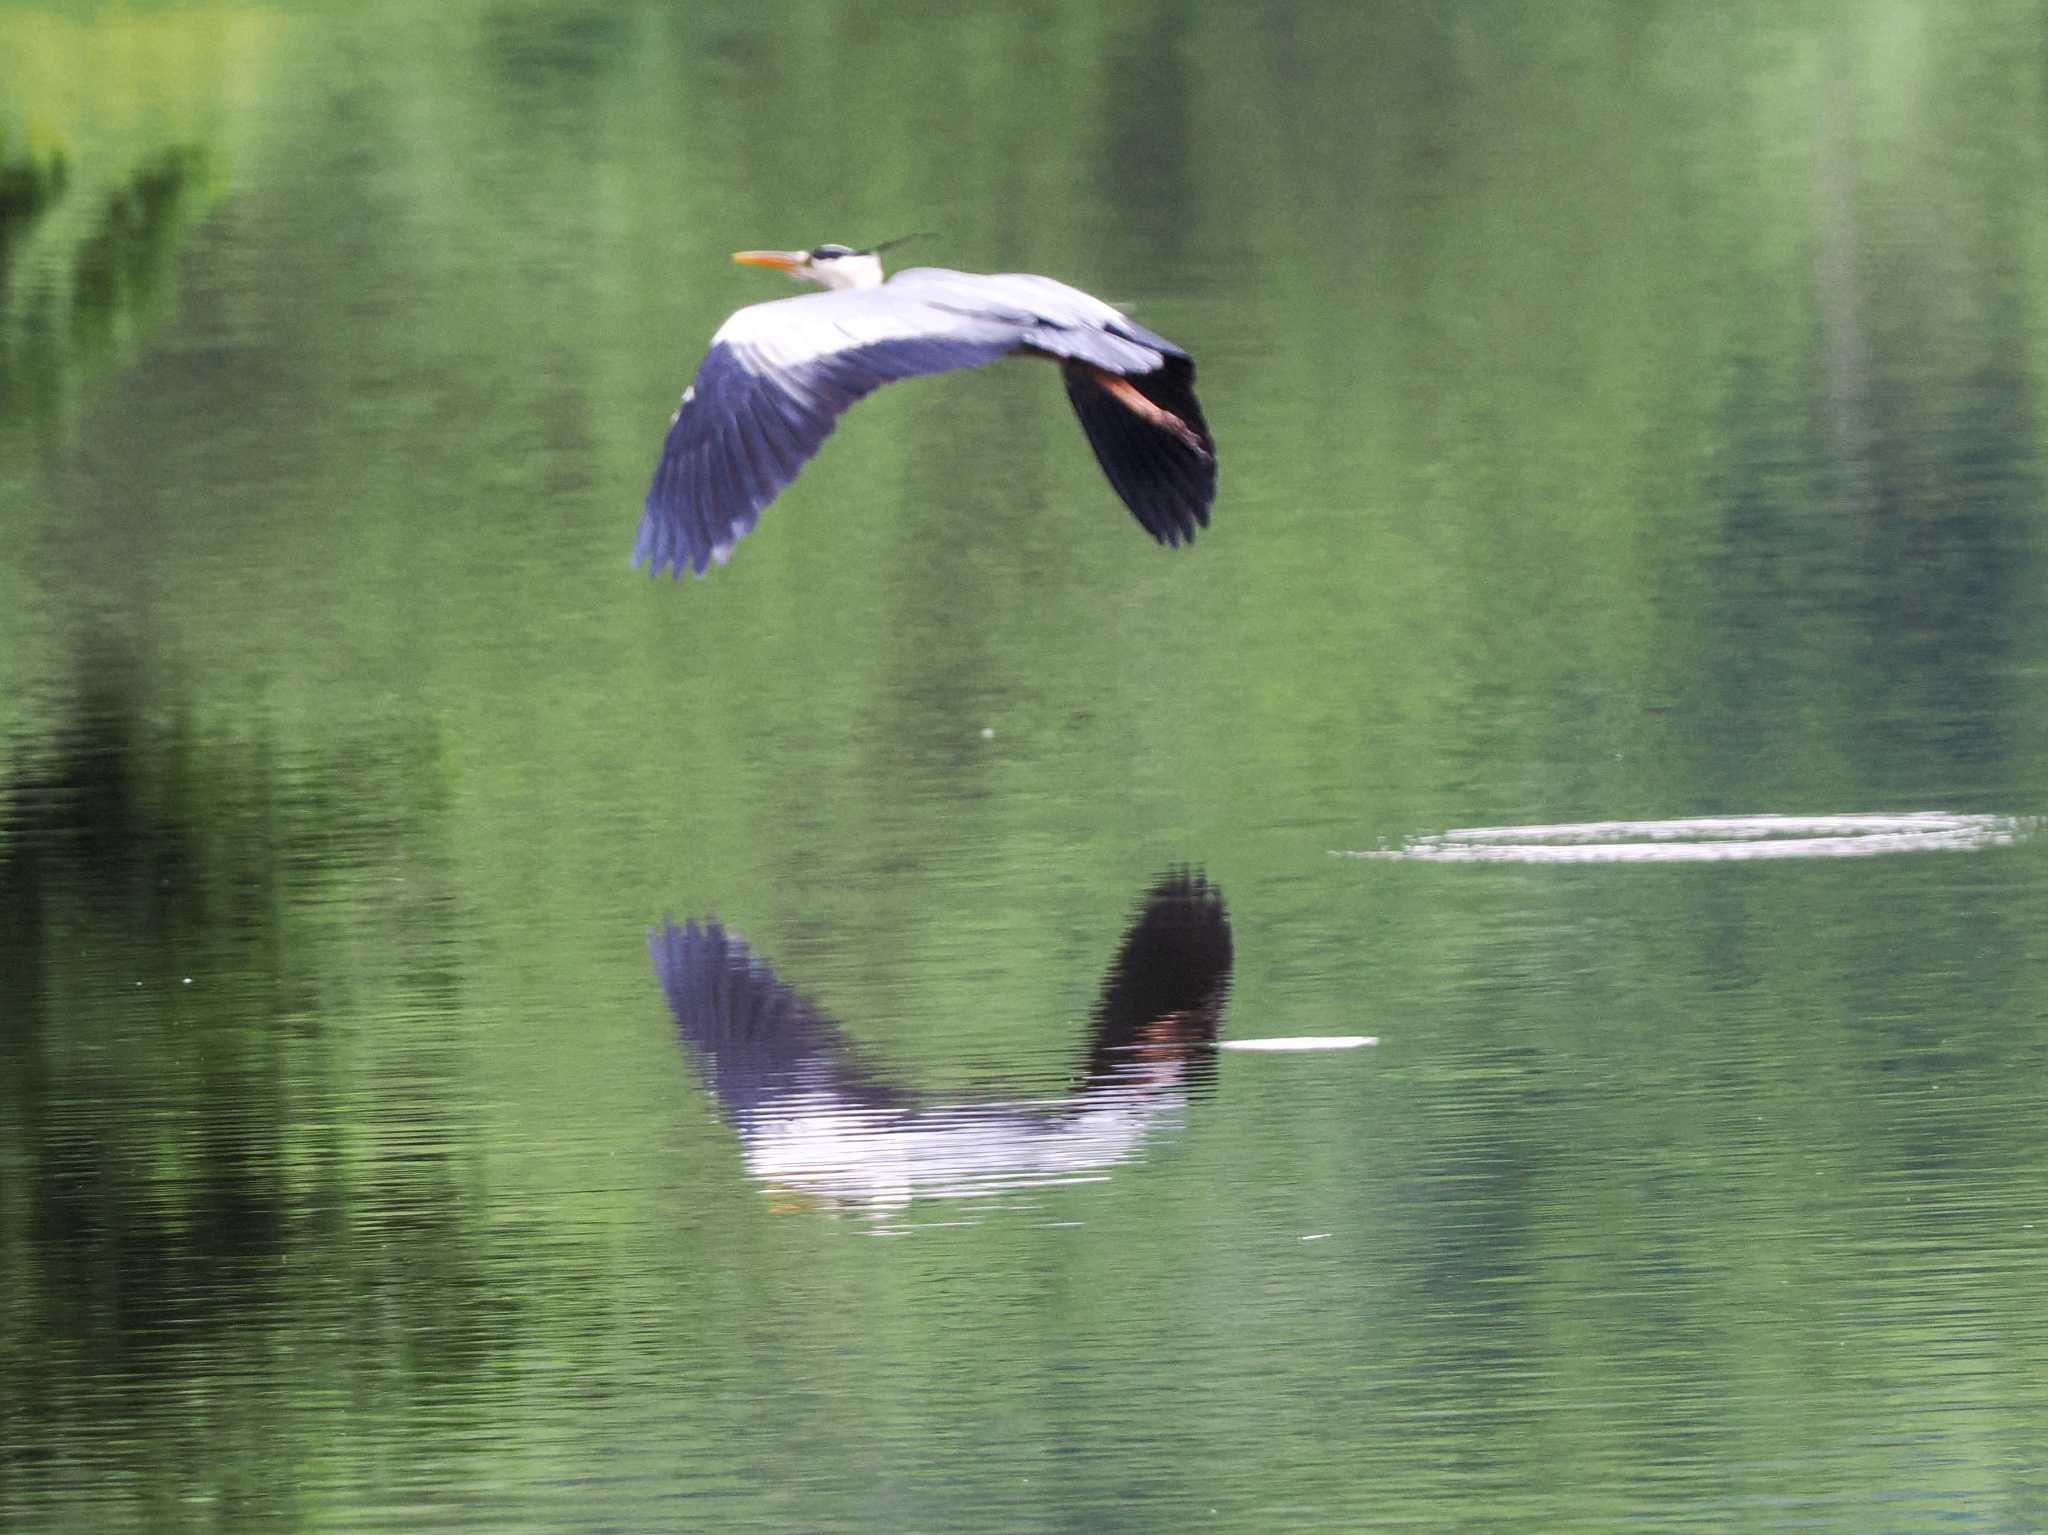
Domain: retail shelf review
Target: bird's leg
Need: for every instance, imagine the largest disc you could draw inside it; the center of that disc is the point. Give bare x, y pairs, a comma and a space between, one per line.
1133, 399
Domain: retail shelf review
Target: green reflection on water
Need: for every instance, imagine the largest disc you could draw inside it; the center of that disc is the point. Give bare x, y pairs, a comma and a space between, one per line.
110, 288
29, 183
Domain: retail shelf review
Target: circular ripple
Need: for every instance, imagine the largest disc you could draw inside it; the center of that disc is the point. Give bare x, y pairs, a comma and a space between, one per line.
1705, 839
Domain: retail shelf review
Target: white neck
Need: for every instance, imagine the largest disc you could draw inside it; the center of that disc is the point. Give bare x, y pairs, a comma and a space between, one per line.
858, 271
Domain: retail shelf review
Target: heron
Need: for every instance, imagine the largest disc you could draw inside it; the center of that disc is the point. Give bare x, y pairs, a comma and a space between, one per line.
778, 375
817, 1118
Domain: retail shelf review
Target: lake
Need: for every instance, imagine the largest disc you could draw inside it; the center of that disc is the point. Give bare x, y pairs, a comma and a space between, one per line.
493, 1041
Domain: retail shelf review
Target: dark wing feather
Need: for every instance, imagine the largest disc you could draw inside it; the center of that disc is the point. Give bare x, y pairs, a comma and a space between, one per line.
1165, 475
1165, 993
1167, 480
757, 1042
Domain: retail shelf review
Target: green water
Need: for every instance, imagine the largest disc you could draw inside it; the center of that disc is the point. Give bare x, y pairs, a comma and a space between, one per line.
1623, 410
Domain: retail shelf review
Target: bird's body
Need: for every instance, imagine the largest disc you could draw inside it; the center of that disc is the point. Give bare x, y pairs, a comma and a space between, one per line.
777, 376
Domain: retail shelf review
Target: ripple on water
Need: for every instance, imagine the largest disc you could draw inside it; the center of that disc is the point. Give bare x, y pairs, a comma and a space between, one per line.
1707, 839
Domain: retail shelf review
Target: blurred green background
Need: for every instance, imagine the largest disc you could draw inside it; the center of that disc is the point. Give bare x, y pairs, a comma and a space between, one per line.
1623, 410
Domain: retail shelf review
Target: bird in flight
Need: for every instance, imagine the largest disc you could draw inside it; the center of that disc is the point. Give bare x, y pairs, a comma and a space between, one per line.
771, 388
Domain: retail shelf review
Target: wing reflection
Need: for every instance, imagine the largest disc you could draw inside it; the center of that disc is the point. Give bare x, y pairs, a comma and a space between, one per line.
815, 1119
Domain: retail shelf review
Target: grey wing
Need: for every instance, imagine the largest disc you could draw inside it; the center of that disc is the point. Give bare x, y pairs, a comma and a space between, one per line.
1041, 315
758, 1044
768, 394
1131, 388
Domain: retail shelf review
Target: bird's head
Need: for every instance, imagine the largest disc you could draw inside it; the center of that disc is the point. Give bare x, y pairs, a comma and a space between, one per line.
829, 266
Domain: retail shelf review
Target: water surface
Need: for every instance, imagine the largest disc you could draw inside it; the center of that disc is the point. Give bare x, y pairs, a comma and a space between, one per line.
1625, 414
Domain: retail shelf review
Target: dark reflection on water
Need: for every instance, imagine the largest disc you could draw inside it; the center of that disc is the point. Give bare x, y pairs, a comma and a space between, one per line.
113, 279
817, 1120
29, 184
235, 1158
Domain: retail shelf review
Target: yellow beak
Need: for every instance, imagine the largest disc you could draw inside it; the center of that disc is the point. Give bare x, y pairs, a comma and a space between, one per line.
784, 261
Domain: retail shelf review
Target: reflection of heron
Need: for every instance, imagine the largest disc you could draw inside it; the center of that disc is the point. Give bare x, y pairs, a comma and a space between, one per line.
813, 1117
777, 376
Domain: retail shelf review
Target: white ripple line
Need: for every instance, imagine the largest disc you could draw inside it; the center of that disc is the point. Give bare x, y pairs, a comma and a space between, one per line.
1710, 839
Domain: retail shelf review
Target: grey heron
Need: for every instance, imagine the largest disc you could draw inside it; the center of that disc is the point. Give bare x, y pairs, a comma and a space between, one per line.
777, 376
817, 1118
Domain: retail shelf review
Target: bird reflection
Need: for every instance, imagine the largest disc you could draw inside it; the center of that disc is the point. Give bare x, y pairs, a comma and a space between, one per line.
816, 1121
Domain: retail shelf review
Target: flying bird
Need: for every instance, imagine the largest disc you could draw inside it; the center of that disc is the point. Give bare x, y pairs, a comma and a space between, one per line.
771, 388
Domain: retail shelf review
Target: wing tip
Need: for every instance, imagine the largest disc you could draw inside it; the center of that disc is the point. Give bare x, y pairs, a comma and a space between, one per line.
675, 564
1181, 528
